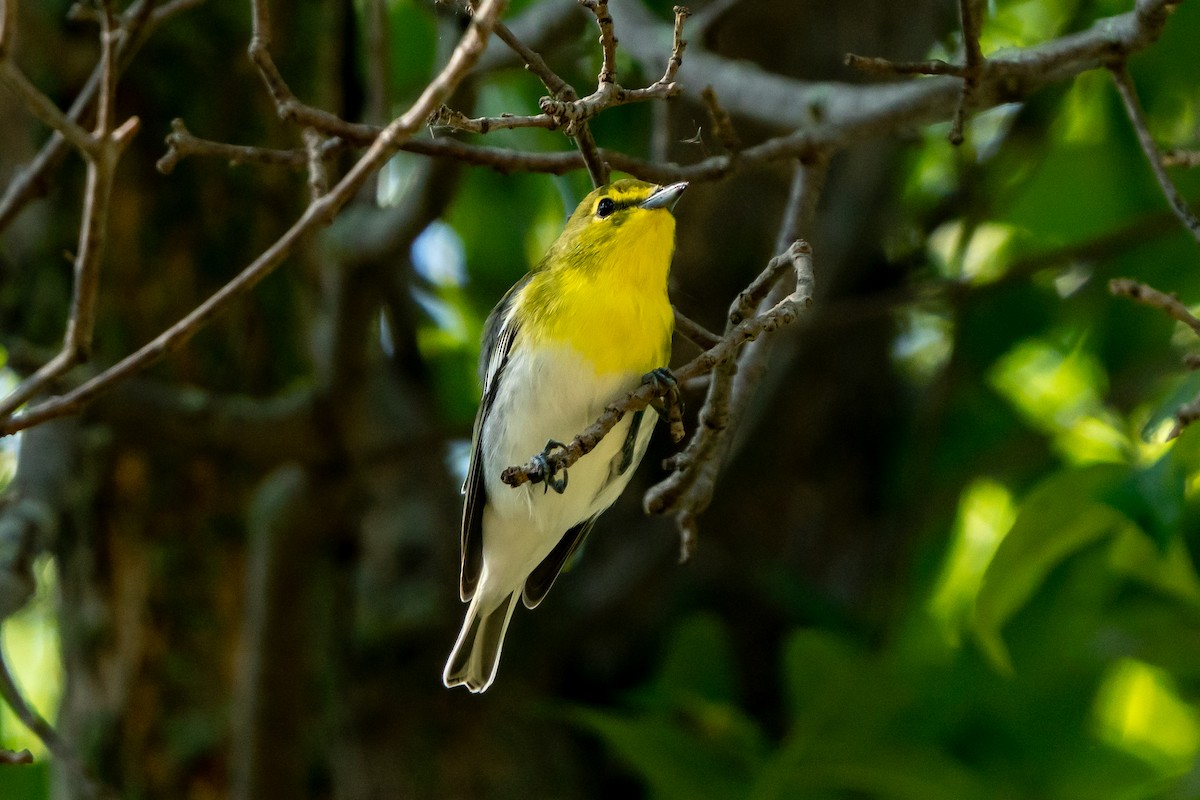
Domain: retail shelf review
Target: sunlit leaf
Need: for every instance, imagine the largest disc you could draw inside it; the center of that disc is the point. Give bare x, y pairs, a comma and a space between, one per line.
1172, 571
1058, 518
1138, 709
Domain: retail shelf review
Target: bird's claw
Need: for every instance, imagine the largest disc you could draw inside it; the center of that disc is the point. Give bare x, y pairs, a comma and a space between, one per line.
668, 403
662, 379
547, 472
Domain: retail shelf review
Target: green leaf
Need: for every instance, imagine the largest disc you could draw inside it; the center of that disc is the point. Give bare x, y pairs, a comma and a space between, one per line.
675, 763
1153, 498
699, 662
818, 668
892, 772
1170, 571
1057, 519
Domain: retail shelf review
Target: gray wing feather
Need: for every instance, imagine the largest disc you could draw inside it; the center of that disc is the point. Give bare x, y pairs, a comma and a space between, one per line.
498, 335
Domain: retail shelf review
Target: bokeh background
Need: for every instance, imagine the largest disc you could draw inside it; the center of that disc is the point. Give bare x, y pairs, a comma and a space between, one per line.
951, 554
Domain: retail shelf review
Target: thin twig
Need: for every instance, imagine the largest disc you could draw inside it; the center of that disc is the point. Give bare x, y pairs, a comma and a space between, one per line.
678, 43
865, 113
560, 90
1148, 295
317, 214
563, 109
1133, 108
43, 108
721, 121
597, 167
608, 40
42, 729
318, 175
883, 66
687, 491
1181, 158
970, 12
101, 150
535, 63
782, 314
695, 332
1189, 412
136, 24
182, 144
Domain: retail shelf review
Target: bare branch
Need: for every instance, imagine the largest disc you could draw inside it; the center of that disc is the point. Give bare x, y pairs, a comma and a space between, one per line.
782, 314
1134, 109
43, 108
597, 167
695, 332
678, 43
1148, 295
688, 489
1189, 412
721, 121
969, 12
318, 176
138, 21
559, 90
101, 150
45, 732
608, 41
320, 212
882, 66
563, 109
1181, 158
181, 144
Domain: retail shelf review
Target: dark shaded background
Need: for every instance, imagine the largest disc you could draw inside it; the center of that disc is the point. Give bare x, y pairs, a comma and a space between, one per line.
947, 557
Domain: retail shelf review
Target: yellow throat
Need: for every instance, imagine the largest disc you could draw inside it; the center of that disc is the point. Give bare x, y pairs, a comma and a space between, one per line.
601, 288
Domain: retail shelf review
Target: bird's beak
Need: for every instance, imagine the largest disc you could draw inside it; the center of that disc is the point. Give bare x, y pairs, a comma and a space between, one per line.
666, 196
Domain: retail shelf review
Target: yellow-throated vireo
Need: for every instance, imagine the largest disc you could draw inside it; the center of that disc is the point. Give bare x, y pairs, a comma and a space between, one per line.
583, 328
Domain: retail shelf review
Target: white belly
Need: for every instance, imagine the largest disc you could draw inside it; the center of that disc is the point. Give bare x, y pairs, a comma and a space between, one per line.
552, 394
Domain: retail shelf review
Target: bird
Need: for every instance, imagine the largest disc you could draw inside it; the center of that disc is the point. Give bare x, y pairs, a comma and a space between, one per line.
586, 325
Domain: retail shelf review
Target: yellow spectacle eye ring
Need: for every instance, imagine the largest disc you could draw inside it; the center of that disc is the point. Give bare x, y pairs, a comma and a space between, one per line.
605, 207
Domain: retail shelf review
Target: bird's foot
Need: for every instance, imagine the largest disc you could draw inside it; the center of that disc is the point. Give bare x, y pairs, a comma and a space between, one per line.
669, 403
546, 469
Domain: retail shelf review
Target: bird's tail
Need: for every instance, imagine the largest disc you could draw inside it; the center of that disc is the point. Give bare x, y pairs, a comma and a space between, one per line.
476, 654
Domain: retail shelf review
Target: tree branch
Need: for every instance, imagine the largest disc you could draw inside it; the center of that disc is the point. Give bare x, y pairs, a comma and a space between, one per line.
136, 24
101, 150
969, 12
318, 213
1189, 412
45, 732
687, 491
799, 256
1133, 108
563, 108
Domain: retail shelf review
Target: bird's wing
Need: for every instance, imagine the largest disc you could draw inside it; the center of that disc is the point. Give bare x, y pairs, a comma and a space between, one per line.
499, 331
542, 578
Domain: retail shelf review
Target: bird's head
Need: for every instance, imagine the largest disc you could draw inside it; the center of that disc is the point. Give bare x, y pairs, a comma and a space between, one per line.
613, 221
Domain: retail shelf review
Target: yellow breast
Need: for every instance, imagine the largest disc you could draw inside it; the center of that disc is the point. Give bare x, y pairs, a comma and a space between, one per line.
609, 302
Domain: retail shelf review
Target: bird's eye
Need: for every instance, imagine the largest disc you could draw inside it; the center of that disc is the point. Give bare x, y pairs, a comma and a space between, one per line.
605, 207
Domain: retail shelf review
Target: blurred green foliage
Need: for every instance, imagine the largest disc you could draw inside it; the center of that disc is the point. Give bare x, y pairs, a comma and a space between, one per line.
1083, 604
1054, 651
1048, 641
